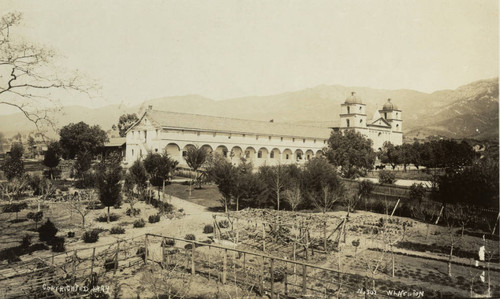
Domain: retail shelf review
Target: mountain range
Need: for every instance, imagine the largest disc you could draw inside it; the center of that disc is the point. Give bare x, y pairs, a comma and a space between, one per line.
470, 111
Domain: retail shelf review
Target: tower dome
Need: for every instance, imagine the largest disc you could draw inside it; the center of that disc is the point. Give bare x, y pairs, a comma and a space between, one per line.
389, 106
353, 99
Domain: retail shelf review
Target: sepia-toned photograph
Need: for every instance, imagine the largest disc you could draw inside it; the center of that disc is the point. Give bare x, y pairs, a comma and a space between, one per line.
249, 149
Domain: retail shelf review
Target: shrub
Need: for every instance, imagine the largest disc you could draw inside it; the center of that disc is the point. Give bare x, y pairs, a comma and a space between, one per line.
223, 224
208, 229
9, 254
190, 237
139, 223
14, 207
104, 218
117, 230
91, 236
154, 218
168, 242
386, 177
141, 251
278, 274
58, 244
87, 181
133, 212
26, 242
71, 234
47, 231
110, 264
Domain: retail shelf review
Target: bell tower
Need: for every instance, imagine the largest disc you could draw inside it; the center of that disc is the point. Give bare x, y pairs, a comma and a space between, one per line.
353, 113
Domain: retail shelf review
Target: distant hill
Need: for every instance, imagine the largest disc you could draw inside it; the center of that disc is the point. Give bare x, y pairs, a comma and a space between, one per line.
469, 111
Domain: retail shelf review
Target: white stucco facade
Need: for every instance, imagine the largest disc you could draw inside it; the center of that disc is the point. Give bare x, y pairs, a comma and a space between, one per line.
261, 143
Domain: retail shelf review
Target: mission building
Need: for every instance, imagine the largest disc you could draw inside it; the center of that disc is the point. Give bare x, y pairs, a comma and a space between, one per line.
260, 142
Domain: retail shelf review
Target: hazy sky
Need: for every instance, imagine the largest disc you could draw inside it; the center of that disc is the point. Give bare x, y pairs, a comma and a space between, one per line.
140, 50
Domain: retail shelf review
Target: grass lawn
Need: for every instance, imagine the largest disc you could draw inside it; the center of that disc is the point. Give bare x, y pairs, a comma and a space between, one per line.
209, 196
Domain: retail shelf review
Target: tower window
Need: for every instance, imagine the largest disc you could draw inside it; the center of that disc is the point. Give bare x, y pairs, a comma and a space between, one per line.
272, 155
303, 141
359, 108
360, 121
259, 154
385, 115
293, 139
348, 123
287, 156
269, 137
348, 110
281, 138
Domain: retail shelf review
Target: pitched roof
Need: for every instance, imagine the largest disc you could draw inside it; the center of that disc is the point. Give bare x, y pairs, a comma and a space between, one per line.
116, 141
233, 125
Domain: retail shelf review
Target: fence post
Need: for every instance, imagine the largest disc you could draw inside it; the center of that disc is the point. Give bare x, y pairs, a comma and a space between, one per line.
52, 258
193, 271
92, 263
146, 249
116, 256
244, 262
224, 267
163, 257
272, 278
286, 280
261, 278
74, 265
306, 246
264, 237
304, 279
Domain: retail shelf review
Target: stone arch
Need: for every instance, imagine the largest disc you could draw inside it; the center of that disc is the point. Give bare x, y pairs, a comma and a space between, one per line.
263, 153
298, 155
186, 147
287, 155
173, 149
222, 150
250, 153
275, 154
319, 153
236, 153
208, 148
309, 155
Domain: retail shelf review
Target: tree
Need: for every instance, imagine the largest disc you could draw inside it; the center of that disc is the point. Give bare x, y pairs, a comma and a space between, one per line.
159, 168
476, 185
36, 217
386, 177
416, 157
125, 122
138, 175
365, 188
108, 176
406, 154
277, 178
322, 185
78, 204
417, 192
350, 151
82, 163
223, 174
390, 154
28, 75
52, 157
80, 137
195, 158
293, 196
13, 165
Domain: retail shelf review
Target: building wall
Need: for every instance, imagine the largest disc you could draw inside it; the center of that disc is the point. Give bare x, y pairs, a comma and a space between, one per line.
258, 149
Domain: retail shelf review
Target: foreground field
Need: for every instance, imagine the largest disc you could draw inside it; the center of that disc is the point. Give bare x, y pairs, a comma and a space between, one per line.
380, 254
